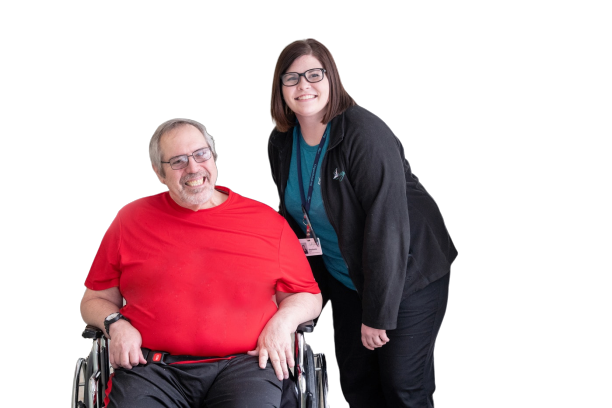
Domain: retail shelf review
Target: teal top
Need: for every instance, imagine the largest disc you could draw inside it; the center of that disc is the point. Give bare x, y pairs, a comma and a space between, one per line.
318, 218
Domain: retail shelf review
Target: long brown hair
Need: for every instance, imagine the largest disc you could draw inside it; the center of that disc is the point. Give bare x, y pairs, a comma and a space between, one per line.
339, 99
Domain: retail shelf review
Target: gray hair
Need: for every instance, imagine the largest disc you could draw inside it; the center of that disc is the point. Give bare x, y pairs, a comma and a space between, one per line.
155, 152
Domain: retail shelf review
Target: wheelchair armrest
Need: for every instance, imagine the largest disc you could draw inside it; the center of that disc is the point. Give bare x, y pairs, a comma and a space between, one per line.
92, 332
306, 327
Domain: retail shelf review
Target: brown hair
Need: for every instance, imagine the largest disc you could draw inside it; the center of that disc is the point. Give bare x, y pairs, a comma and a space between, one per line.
339, 99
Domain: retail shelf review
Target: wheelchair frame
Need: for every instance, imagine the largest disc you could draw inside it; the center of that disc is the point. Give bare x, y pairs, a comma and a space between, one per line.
91, 374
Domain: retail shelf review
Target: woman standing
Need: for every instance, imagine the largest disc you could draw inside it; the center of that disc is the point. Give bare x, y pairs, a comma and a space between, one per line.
349, 194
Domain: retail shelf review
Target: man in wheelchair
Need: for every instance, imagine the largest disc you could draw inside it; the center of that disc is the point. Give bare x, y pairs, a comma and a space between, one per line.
198, 288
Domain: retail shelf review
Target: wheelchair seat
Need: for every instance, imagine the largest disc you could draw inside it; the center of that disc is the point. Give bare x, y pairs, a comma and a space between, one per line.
307, 386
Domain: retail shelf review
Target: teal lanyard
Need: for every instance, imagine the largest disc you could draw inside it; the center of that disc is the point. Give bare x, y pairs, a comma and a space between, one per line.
306, 200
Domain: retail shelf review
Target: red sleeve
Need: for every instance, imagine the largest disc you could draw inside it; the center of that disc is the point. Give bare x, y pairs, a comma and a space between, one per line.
105, 271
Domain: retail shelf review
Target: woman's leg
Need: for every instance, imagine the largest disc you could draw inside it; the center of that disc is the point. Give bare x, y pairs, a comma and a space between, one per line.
359, 373
407, 361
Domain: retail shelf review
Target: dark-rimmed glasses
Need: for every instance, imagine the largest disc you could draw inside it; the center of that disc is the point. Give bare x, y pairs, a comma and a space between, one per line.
180, 162
312, 76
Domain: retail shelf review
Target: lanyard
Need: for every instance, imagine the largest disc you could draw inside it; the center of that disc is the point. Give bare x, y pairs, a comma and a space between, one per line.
306, 199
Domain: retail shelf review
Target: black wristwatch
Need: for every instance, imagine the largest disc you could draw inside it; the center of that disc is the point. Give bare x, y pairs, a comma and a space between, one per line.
112, 318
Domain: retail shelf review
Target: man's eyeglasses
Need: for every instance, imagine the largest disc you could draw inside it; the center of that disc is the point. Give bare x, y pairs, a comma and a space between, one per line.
180, 162
312, 76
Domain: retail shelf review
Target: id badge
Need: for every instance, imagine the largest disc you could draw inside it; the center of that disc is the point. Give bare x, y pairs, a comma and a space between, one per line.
310, 247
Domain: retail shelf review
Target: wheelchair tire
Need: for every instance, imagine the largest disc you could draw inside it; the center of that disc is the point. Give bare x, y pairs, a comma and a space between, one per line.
312, 400
78, 383
321, 378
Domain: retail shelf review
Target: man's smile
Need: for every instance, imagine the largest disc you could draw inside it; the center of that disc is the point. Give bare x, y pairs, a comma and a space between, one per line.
195, 183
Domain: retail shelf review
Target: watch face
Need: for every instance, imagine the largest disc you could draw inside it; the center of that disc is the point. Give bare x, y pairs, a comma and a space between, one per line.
112, 316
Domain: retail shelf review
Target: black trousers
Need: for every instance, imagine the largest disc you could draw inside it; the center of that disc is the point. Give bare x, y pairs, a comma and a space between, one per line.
234, 383
400, 373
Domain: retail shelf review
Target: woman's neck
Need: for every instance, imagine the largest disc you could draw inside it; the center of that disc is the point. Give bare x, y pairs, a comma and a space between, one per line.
312, 131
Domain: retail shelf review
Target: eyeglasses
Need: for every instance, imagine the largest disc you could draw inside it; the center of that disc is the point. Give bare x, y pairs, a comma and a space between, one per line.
182, 161
312, 76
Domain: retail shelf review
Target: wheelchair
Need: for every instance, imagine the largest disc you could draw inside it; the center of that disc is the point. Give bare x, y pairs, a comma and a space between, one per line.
307, 384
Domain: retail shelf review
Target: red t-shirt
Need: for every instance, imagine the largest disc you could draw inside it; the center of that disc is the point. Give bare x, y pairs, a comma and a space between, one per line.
200, 282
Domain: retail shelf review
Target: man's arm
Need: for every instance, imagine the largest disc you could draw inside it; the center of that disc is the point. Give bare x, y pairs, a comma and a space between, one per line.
124, 349
275, 339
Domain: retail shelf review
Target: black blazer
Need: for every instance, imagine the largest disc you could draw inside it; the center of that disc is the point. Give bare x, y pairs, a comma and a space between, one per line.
390, 231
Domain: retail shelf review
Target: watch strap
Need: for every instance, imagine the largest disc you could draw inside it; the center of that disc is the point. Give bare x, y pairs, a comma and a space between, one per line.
108, 322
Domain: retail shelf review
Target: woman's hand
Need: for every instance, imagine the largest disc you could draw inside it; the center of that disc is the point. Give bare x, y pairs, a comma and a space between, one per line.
373, 338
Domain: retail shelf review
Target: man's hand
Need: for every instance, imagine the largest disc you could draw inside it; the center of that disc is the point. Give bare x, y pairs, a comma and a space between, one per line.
274, 343
373, 338
124, 350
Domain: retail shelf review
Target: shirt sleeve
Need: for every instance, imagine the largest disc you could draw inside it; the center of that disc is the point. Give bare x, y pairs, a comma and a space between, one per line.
105, 270
295, 273
378, 173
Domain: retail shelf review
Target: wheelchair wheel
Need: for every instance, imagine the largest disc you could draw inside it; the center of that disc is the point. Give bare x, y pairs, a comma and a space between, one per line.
321, 378
78, 384
92, 373
312, 397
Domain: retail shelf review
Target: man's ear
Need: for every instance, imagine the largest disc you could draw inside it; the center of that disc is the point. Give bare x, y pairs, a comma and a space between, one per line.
161, 179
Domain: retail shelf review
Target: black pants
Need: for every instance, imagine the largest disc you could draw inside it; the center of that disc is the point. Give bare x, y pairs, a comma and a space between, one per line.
234, 383
400, 373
